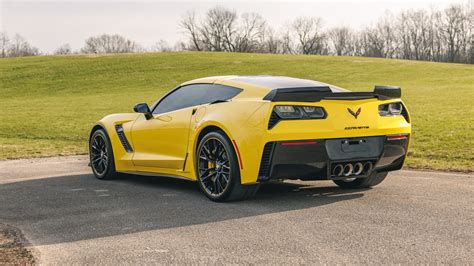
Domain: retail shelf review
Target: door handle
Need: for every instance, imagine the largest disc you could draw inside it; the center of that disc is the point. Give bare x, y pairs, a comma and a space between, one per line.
194, 111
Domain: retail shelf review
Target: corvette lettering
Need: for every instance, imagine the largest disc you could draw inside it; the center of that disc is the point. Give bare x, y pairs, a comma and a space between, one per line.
361, 127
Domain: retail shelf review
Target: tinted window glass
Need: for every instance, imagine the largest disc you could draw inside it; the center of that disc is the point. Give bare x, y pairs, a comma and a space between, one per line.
196, 94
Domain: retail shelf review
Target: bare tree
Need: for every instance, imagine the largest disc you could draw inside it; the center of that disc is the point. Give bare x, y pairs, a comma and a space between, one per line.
342, 41
403, 33
218, 30
271, 43
191, 28
106, 43
309, 35
20, 47
437, 45
162, 46
4, 43
372, 43
455, 29
250, 34
386, 33
64, 49
287, 42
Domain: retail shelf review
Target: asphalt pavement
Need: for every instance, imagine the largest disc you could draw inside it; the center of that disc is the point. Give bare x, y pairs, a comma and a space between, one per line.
68, 216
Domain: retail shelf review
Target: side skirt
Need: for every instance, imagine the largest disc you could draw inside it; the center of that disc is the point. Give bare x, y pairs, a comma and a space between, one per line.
156, 175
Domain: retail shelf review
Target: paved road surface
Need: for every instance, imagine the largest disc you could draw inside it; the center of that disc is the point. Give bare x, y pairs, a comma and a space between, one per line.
70, 217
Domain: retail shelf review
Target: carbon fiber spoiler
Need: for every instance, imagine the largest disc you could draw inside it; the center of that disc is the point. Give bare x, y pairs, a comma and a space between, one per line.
316, 94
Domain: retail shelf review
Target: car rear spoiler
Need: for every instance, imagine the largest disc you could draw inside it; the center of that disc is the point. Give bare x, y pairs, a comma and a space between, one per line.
316, 94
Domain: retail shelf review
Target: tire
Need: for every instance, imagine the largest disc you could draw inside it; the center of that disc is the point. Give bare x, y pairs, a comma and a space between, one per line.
374, 179
218, 170
101, 156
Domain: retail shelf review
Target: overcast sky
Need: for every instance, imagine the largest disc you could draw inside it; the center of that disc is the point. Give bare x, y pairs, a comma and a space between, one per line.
48, 24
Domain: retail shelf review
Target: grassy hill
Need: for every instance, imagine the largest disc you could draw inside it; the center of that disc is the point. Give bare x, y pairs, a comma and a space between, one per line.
48, 104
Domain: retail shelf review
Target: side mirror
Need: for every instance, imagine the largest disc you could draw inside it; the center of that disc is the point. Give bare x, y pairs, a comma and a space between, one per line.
144, 109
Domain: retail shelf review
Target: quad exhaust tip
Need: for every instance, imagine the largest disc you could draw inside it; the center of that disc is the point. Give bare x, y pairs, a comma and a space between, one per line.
352, 169
367, 167
358, 168
348, 169
338, 169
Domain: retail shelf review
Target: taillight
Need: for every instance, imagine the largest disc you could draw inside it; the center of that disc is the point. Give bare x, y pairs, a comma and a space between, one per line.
394, 109
295, 112
397, 137
390, 109
299, 112
288, 112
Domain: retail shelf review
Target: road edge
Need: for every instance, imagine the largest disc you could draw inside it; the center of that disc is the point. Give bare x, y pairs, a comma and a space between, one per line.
15, 249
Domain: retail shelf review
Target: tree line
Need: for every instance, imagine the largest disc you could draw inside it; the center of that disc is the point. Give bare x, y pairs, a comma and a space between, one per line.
445, 35
435, 35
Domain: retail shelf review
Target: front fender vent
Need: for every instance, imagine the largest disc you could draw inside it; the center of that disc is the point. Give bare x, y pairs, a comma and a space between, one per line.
264, 172
123, 139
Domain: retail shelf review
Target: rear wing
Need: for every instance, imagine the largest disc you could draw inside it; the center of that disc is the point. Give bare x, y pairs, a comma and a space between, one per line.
316, 94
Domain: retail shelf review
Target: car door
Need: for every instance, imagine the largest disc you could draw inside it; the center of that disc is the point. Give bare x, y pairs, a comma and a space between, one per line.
161, 142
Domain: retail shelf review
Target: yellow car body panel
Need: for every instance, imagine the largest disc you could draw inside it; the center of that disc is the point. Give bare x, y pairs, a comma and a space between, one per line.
166, 144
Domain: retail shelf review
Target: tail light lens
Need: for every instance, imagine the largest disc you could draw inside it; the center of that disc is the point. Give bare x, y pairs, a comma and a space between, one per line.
295, 112
299, 112
288, 112
391, 109
314, 112
394, 109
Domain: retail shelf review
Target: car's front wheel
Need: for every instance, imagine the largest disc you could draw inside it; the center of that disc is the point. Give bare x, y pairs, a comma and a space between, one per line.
217, 169
353, 183
101, 155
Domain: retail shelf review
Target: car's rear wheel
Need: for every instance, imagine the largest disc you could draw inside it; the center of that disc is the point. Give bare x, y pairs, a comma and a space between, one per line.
101, 155
374, 179
217, 169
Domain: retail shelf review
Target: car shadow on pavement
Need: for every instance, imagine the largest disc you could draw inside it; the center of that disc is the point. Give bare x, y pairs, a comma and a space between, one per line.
80, 207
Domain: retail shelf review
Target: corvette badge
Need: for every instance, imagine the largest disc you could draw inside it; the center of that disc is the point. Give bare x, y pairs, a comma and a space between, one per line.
356, 114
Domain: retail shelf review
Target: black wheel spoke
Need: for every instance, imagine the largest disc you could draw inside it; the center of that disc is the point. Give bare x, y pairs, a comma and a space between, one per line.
226, 178
206, 151
95, 148
214, 187
207, 176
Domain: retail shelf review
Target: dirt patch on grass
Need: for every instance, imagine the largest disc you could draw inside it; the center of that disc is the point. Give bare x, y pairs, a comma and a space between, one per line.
13, 247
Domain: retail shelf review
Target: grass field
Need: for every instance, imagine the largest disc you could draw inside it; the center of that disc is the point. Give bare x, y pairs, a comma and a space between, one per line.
48, 104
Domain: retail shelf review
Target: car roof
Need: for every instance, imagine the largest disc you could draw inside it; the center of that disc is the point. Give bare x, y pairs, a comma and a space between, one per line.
264, 84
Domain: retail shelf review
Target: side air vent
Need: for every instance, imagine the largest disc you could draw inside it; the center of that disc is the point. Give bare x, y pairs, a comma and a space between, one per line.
264, 172
274, 119
405, 114
123, 139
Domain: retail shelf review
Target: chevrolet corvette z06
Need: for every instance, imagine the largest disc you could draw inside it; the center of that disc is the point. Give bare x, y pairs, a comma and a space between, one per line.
233, 133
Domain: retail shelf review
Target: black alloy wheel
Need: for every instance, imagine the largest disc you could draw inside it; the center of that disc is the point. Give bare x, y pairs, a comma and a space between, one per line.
101, 155
214, 167
218, 169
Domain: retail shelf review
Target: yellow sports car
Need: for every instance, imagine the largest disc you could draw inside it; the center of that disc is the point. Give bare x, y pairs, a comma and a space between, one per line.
233, 133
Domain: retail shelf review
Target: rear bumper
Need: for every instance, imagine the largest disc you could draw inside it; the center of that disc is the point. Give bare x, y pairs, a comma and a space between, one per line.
316, 159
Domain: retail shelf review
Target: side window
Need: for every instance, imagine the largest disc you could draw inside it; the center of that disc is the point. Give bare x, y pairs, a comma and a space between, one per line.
195, 94
181, 98
220, 92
